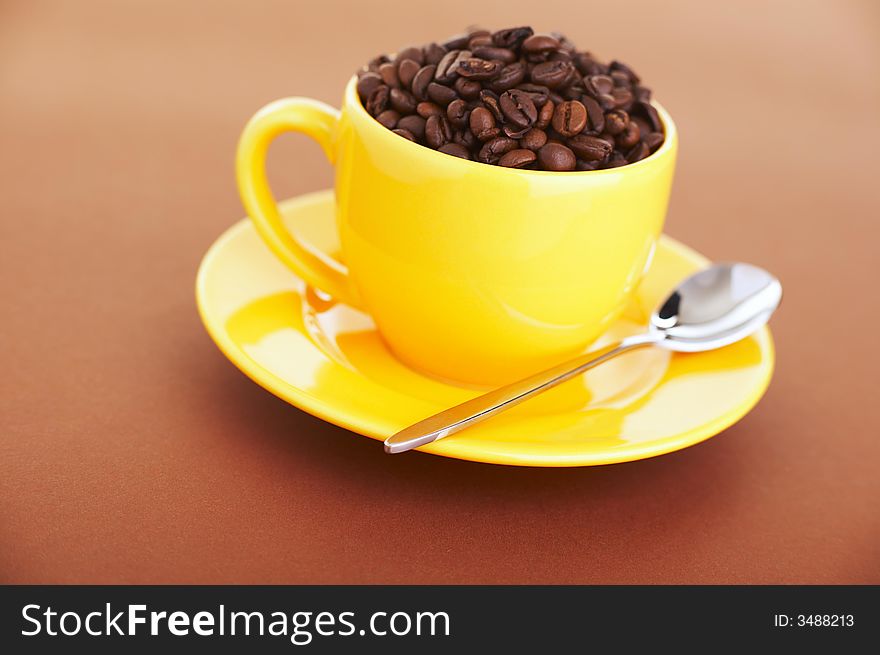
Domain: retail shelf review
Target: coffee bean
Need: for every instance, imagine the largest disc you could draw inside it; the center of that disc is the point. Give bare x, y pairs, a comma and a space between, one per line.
467, 89
441, 94
534, 139
493, 150
653, 140
517, 158
644, 126
559, 55
421, 81
437, 131
629, 137
367, 83
539, 94
493, 53
586, 165
479, 69
583, 61
447, 69
616, 121
606, 101
647, 110
639, 151
540, 44
620, 78
546, 115
556, 157
457, 112
551, 74
590, 148
570, 118
616, 159
428, 109
596, 85
442, 74
413, 124
388, 118
518, 107
609, 139
433, 52
375, 62
456, 150
511, 37
514, 131
573, 90
490, 100
406, 71
457, 42
403, 101
466, 138
412, 53
478, 41
623, 68
623, 97
587, 65
642, 94
406, 134
389, 75
481, 120
378, 100
509, 77
595, 114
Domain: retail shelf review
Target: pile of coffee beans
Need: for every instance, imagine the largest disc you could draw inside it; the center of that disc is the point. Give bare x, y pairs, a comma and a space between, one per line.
514, 98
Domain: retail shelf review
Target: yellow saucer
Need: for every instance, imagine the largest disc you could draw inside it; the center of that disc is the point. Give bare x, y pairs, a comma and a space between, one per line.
328, 360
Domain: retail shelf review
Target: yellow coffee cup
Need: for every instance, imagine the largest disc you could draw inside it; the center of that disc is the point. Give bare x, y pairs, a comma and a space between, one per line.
471, 272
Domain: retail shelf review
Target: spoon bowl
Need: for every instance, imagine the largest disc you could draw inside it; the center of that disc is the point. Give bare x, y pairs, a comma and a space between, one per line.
716, 307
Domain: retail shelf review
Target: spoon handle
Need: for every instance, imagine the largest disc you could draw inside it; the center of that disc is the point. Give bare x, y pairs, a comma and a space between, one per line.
457, 418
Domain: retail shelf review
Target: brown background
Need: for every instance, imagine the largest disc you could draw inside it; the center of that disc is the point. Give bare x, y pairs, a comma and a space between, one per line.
132, 451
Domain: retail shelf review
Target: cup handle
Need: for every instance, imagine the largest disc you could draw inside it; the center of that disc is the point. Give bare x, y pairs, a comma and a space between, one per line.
319, 121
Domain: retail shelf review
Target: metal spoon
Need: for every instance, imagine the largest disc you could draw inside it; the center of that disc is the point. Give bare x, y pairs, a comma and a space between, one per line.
715, 307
